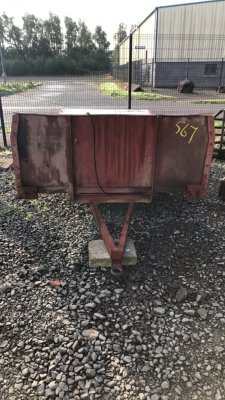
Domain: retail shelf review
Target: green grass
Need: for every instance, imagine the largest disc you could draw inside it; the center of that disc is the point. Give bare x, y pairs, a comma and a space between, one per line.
7, 128
218, 124
111, 89
208, 101
14, 87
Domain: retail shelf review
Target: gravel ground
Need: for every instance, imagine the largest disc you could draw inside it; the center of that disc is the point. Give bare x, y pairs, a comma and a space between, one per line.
157, 333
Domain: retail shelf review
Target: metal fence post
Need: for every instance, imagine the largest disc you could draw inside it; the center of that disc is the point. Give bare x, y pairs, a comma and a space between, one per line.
187, 70
221, 72
152, 72
2, 64
2, 124
130, 72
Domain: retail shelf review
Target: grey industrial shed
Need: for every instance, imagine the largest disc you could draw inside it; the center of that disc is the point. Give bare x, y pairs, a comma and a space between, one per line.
179, 41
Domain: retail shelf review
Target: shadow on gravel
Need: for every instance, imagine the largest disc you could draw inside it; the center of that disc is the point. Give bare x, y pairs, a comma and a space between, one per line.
159, 330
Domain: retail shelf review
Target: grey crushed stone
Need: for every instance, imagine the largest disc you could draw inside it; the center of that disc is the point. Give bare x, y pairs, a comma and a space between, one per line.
157, 333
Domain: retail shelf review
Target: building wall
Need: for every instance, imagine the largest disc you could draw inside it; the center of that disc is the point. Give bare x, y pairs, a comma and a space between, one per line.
147, 26
146, 72
124, 51
197, 18
143, 35
192, 34
190, 28
171, 73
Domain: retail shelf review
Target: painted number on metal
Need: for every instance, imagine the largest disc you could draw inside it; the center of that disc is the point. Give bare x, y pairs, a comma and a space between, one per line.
185, 129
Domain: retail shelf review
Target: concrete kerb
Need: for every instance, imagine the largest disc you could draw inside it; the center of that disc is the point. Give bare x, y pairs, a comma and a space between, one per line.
99, 257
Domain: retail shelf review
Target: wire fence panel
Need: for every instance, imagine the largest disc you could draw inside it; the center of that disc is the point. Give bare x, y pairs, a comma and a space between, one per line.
99, 79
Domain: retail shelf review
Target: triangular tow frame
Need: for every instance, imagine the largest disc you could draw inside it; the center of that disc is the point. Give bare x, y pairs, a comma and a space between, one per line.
115, 250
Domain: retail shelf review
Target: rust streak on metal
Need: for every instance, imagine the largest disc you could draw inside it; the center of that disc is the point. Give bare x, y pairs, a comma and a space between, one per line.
69, 157
106, 157
199, 191
118, 250
113, 152
109, 243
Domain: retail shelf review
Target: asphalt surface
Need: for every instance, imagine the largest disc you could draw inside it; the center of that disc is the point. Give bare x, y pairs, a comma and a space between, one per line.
83, 92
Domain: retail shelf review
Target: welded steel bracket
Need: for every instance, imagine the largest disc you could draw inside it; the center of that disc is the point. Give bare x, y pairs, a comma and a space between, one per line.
115, 250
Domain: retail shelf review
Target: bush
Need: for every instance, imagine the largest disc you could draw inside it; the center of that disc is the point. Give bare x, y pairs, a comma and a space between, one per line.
43, 66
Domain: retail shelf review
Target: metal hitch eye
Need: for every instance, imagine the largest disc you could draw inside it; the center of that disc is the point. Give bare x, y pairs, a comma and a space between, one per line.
117, 272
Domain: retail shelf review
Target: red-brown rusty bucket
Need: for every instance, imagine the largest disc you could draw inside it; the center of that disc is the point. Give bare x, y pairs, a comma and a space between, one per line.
101, 156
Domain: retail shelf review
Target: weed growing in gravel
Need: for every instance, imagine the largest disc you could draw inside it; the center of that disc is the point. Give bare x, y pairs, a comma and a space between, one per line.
39, 207
3, 211
28, 216
6, 208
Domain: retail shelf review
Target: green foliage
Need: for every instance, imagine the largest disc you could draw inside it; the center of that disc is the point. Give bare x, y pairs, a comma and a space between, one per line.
6, 208
71, 33
76, 65
7, 130
84, 38
111, 89
41, 47
52, 32
38, 206
119, 36
132, 27
218, 124
100, 38
121, 33
18, 209
14, 87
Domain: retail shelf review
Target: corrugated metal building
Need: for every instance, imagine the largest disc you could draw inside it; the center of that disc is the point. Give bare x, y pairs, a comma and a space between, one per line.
192, 34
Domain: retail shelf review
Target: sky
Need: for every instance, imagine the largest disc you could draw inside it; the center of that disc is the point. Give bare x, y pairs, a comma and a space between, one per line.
108, 14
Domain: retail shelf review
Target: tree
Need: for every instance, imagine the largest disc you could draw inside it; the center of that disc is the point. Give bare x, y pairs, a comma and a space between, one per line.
52, 32
6, 24
121, 33
2, 31
71, 33
84, 37
10, 35
100, 39
15, 39
33, 32
132, 27
119, 36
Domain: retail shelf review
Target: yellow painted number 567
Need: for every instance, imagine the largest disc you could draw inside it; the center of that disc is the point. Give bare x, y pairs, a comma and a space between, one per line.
185, 130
